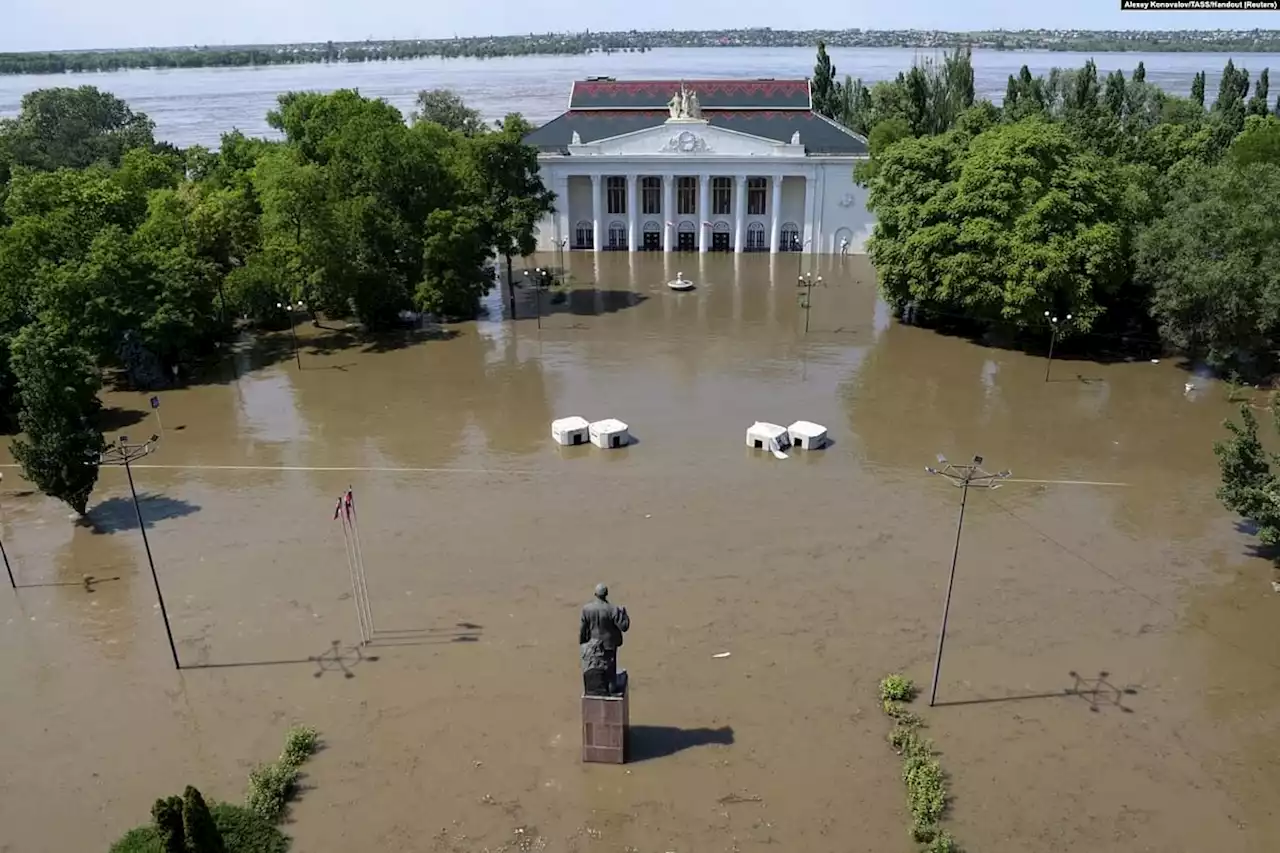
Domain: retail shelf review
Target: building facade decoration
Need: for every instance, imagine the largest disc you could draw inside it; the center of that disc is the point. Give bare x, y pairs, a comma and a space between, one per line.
702, 166
684, 104
687, 142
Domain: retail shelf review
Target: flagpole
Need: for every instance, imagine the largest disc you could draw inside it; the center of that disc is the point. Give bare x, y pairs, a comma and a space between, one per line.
351, 569
364, 577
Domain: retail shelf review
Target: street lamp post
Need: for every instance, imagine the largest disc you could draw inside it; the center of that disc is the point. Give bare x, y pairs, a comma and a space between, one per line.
808, 283
5, 554
963, 476
289, 308
123, 453
561, 245
1053, 339
537, 277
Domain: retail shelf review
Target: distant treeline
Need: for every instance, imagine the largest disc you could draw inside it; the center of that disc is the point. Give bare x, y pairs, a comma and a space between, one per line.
1252, 41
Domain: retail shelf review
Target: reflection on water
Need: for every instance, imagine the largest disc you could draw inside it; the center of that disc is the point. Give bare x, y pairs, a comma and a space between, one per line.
818, 573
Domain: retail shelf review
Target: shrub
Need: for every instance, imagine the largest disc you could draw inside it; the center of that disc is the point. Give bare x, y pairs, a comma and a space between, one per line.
166, 816
270, 787
242, 831
201, 833
897, 688
921, 772
299, 744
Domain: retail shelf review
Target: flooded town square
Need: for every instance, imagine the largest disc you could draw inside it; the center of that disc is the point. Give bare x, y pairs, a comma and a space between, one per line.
1112, 672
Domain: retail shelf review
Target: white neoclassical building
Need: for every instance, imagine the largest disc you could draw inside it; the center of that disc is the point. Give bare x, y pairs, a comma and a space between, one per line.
698, 166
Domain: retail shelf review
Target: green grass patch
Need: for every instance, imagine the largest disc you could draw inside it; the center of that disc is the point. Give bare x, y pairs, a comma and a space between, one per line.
923, 776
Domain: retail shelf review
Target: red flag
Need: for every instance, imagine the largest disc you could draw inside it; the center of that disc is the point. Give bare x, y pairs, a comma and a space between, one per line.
351, 504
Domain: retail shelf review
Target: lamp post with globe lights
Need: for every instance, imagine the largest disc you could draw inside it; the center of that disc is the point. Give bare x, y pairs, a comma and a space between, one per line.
1053, 338
289, 308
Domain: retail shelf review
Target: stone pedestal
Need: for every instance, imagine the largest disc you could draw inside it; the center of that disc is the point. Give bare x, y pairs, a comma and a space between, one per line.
606, 725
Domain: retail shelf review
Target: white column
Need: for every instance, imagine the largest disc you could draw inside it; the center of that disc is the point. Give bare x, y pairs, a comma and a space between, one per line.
633, 212
704, 212
740, 206
806, 211
775, 211
597, 210
564, 222
669, 213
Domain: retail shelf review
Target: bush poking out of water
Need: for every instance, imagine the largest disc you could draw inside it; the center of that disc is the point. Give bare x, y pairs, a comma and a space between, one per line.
921, 772
897, 688
300, 743
241, 830
271, 786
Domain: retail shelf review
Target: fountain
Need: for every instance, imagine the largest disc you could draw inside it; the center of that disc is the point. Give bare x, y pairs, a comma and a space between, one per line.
680, 283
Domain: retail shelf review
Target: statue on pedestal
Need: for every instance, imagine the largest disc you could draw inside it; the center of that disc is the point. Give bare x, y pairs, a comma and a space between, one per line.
684, 104
599, 636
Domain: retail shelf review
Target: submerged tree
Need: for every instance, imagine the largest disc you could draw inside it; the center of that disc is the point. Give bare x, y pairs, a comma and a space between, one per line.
59, 385
1249, 486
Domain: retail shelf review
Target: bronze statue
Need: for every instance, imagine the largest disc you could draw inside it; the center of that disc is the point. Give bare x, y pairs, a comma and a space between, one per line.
600, 635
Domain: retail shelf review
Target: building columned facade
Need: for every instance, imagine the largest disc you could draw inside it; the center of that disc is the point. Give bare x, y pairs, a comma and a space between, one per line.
698, 166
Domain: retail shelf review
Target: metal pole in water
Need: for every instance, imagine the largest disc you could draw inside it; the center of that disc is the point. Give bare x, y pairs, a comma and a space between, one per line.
963, 476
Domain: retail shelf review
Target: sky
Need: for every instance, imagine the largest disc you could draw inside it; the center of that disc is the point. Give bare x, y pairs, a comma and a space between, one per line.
84, 24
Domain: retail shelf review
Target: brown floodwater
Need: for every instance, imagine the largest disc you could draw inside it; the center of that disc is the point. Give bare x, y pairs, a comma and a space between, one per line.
458, 728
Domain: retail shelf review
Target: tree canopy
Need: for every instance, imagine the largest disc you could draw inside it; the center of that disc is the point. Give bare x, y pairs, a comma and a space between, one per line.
1095, 195
124, 257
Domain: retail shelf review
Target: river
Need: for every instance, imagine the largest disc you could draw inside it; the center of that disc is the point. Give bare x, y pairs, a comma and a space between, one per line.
197, 106
1110, 682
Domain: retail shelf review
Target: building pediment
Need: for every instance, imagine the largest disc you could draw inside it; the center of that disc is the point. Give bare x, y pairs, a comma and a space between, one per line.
684, 138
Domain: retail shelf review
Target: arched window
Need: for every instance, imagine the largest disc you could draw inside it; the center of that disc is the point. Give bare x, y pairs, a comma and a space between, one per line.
790, 238
652, 227
617, 235
755, 237
721, 227
687, 227
584, 235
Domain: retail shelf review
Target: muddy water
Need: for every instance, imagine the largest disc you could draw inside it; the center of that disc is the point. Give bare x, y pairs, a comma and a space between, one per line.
458, 729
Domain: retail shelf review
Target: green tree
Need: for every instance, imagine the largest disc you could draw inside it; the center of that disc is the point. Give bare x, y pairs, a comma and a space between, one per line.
882, 136
166, 817
73, 128
447, 109
1197, 88
1140, 73
1249, 486
202, 835
1016, 221
453, 252
59, 386
1260, 142
823, 87
1258, 105
1212, 264
506, 186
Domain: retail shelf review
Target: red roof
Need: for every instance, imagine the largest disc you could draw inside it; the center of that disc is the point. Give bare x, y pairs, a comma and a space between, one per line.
712, 94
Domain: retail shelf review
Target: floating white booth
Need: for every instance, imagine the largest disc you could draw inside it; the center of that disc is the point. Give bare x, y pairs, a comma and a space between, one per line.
609, 433
570, 431
807, 435
767, 436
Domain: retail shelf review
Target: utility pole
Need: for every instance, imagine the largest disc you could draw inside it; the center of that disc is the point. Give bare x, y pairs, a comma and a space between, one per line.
808, 283
123, 453
1053, 324
963, 476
